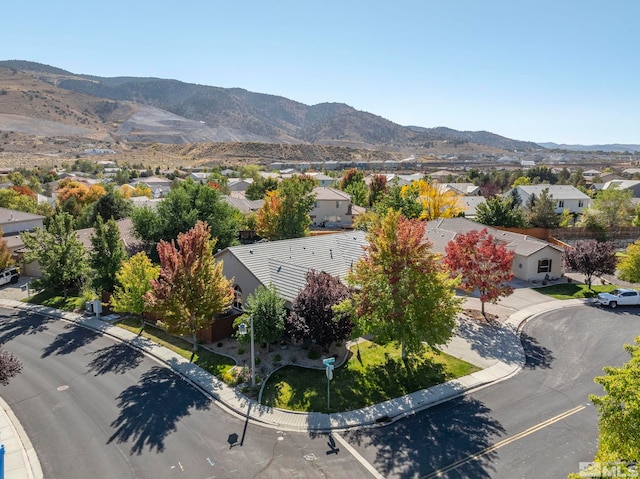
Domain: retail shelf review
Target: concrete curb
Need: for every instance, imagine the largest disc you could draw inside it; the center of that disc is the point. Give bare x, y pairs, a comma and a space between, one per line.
371, 416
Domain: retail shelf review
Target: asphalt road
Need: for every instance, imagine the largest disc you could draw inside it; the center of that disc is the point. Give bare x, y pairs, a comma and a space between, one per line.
95, 408
538, 423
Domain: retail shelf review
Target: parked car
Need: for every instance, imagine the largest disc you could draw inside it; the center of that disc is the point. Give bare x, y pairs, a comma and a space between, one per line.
9, 275
619, 297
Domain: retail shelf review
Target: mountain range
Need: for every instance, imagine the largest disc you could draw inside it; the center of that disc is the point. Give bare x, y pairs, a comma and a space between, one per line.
42, 100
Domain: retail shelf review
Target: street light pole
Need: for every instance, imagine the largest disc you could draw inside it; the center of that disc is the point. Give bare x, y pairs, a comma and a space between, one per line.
242, 329
253, 359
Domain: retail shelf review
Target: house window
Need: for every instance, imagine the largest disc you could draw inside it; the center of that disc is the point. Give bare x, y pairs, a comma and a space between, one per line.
561, 204
544, 266
580, 203
338, 204
237, 297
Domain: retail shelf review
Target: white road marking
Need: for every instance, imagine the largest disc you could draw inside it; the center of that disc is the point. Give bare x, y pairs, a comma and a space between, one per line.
357, 456
211, 462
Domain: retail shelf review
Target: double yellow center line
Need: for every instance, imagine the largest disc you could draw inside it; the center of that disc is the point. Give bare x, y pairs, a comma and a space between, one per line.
504, 442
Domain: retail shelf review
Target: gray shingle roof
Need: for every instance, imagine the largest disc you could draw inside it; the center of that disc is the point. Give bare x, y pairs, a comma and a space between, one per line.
15, 216
286, 262
441, 231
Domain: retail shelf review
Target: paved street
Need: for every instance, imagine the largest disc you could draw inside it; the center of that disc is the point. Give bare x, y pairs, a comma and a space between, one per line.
536, 424
93, 407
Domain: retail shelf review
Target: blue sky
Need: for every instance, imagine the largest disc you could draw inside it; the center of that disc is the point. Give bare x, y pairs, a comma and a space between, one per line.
565, 71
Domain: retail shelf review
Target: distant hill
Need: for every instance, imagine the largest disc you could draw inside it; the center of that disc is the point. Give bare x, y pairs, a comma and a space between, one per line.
41, 99
611, 148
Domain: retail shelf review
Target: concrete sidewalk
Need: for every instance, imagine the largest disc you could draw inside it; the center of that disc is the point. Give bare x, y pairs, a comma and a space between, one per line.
497, 349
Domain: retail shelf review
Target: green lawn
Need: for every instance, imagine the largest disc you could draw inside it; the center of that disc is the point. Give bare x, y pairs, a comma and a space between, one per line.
574, 290
216, 364
52, 299
379, 376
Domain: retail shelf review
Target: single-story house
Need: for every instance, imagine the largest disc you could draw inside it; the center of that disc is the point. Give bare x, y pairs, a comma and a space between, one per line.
469, 205
462, 189
243, 204
626, 185
13, 221
285, 263
239, 184
533, 259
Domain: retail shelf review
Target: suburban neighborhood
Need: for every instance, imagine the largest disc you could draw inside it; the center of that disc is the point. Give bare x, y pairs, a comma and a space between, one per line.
340, 267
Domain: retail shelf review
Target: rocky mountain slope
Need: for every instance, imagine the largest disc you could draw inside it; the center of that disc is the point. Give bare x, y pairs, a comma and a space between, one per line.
38, 99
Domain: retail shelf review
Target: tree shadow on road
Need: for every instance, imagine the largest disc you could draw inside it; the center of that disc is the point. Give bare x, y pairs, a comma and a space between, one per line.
537, 356
118, 359
21, 323
440, 437
151, 409
489, 341
68, 342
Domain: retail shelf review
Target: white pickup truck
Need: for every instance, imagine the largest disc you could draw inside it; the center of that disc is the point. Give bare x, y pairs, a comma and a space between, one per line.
619, 297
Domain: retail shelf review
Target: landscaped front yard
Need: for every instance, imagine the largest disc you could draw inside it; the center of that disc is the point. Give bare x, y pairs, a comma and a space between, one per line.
574, 290
379, 375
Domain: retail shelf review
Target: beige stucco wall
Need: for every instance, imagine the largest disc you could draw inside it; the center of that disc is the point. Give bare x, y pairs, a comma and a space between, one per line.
232, 268
529, 269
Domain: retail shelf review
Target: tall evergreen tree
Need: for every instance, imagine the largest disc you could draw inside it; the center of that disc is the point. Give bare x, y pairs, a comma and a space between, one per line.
541, 211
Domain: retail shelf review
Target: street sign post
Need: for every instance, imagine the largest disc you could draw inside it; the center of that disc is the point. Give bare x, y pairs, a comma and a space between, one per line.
328, 363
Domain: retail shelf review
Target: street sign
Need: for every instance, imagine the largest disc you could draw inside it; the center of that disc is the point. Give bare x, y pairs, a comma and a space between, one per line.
329, 362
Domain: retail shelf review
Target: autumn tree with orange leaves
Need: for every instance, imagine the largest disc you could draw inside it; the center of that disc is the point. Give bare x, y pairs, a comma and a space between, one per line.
83, 194
482, 263
401, 294
191, 289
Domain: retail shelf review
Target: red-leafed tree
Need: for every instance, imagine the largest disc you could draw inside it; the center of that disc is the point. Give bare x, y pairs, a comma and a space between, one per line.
313, 316
401, 295
10, 366
377, 188
482, 263
24, 190
591, 258
191, 289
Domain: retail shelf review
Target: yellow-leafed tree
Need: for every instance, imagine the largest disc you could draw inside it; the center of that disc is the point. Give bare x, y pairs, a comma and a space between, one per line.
436, 202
